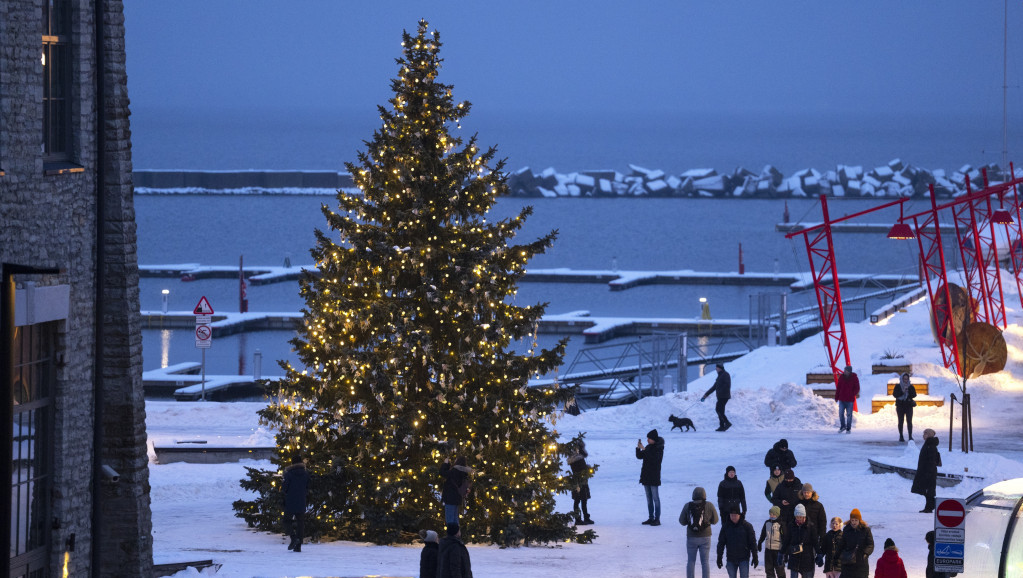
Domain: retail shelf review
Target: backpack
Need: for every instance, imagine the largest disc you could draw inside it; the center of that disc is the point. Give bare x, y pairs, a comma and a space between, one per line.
696, 523
463, 490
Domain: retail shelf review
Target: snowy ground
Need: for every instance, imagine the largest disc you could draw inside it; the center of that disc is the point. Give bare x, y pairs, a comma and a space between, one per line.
193, 519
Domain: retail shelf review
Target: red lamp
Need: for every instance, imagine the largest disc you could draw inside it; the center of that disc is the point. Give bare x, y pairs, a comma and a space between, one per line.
901, 230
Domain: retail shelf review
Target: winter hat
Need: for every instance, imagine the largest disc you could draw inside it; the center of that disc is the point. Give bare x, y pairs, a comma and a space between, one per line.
783, 444
929, 433
652, 434
429, 536
800, 510
807, 487
855, 515
452, 529
889, 544
735, 510
775, 467
848, 368
720, 365
775, 511
789, 474
729, 469
699, 493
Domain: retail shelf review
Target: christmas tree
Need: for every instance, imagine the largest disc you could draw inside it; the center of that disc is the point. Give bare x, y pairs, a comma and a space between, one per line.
413, 348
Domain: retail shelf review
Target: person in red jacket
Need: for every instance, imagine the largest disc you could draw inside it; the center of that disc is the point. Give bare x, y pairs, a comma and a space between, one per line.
847, 389
889, 565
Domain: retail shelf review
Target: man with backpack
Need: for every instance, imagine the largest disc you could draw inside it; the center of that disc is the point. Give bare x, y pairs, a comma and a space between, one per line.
698, 516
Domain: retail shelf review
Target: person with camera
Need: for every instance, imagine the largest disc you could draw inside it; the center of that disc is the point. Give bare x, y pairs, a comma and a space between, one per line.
801, 549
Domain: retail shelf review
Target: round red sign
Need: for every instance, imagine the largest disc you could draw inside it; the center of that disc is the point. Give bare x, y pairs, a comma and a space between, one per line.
950, 514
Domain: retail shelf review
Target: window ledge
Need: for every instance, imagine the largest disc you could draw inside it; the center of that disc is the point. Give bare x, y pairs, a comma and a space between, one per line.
61, 168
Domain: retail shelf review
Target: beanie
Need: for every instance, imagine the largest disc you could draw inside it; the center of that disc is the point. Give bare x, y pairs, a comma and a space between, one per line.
720, 365
889, 544
735, 510
783, 444
652, 434
855, 515
789, 474
807, 487
452, 529
800, 510
775, 511
429, 536
729, 469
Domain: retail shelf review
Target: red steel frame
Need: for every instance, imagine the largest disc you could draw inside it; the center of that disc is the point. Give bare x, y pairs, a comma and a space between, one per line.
965, 219
1014, 254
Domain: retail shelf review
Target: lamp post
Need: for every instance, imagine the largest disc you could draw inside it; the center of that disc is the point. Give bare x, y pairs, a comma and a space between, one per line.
165, 297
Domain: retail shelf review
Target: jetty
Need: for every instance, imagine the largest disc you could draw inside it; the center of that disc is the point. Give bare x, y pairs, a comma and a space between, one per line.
182, 382
615, 280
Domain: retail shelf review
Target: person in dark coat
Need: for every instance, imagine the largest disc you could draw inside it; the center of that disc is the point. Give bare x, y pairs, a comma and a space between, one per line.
831, 545
698, 541
929, 572
904, 392
857, 546
296, 483
650, 474
428, 556
801, 549
772, 538
723, 387
580, 485
814, 508
847, 389
451, 495
453, 556
731, 493
925, 481
739, 540
786, 496
780, 455
777, 476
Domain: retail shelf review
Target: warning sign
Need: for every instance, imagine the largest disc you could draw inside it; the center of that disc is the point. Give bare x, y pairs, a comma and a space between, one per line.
203, 336
203, 307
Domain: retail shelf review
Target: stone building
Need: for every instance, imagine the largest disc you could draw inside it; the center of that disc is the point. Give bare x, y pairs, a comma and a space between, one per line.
70, 337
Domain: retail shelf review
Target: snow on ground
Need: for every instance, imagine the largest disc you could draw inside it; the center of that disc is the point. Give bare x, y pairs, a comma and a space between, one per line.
193, 518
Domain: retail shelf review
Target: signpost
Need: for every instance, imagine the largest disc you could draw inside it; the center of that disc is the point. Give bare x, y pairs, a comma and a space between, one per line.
203, 335
949, 535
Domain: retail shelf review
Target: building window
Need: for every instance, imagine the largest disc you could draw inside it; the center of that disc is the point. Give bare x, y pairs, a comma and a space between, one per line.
56, 59
34, 349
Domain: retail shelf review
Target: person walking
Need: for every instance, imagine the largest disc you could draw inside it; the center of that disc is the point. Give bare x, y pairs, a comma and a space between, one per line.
857, 546
786, 496
831, 545
847, 389
929, 572
772, 537
780, 455
889, 565
295, 486
777, 476
428, 556
698, 516
455, 482
452, 555
580, 485
814, 508
731, 494
650, 474
738, 539
925, 481
904, 392
723, 387
801, 548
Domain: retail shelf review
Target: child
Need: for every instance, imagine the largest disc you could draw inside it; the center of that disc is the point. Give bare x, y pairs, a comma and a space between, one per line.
832, 546
773, 533
581, 489
889, 565
428, 557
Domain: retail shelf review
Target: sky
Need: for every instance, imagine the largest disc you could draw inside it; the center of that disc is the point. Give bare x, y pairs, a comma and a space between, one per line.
659, 56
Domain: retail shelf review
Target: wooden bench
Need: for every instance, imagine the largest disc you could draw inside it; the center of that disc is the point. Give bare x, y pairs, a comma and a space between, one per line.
894, 367
819, 377
923, 398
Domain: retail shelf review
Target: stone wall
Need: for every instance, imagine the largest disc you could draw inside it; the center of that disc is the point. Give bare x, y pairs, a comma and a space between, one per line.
50, 221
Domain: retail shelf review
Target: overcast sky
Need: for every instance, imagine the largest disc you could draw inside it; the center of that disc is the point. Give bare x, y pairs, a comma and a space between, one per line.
746, 56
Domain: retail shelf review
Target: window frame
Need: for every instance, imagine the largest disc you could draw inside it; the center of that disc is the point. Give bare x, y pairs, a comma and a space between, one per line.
57, 60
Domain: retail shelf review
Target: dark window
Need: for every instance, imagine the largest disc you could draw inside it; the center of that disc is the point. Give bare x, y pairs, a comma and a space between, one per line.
32, 447
56, 59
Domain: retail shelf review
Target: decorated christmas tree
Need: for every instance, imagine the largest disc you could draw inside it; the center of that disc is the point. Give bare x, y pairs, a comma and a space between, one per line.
413, 349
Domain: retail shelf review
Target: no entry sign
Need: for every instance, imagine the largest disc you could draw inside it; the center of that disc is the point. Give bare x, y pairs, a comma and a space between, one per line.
949, 534
950, 513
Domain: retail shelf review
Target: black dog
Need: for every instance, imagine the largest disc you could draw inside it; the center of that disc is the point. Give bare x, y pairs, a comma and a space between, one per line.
681, 422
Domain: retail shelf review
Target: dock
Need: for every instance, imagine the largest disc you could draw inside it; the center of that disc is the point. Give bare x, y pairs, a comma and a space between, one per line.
183, 383
615, 280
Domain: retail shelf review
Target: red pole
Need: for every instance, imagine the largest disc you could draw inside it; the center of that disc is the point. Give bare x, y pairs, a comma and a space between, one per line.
834, 279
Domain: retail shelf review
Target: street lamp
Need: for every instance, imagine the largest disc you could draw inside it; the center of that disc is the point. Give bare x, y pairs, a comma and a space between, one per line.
704, 309
166, 294
901, 230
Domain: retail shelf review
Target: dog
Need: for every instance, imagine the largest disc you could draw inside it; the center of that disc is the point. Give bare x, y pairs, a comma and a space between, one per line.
681, 422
